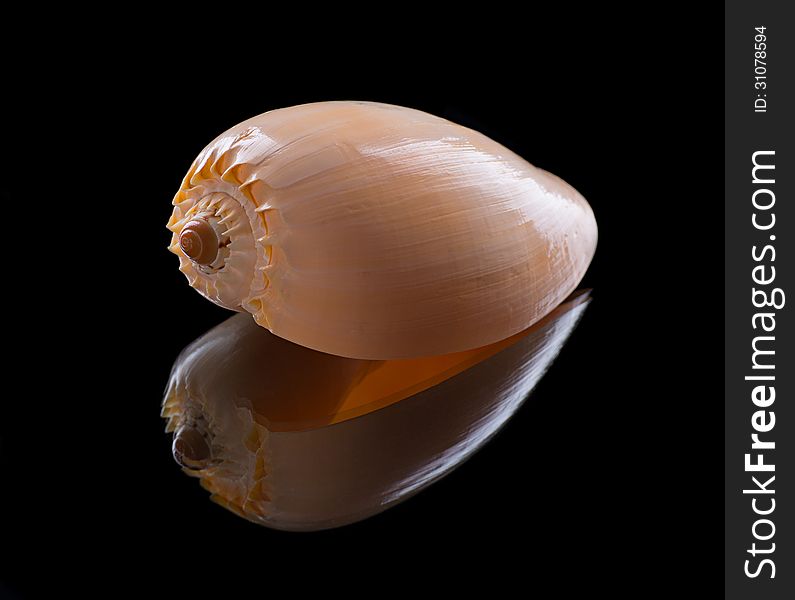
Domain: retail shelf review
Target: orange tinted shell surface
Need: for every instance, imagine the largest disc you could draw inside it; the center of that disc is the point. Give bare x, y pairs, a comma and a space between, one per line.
372, 231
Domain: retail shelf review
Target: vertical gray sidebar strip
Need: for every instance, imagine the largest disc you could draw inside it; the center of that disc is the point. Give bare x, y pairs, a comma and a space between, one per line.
759, 386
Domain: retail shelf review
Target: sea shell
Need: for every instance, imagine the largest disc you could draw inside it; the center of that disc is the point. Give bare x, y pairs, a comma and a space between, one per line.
378, 232
296, 439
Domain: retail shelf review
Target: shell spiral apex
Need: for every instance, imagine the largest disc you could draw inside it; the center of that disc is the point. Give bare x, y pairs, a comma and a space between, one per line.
378, 232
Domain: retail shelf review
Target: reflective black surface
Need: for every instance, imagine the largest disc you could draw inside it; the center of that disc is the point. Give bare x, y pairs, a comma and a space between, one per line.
601, 482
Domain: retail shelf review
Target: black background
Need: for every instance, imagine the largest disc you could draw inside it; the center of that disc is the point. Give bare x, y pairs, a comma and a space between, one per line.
607, 480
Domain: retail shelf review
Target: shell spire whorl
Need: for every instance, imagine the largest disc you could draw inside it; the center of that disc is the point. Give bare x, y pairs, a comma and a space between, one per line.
190, 449
377, 232
201, 242
213, 233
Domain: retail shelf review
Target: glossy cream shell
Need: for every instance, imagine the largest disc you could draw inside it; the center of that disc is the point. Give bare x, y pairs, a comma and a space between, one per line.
374, 231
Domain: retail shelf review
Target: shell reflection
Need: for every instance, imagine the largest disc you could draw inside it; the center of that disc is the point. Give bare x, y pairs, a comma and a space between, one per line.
296, 439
